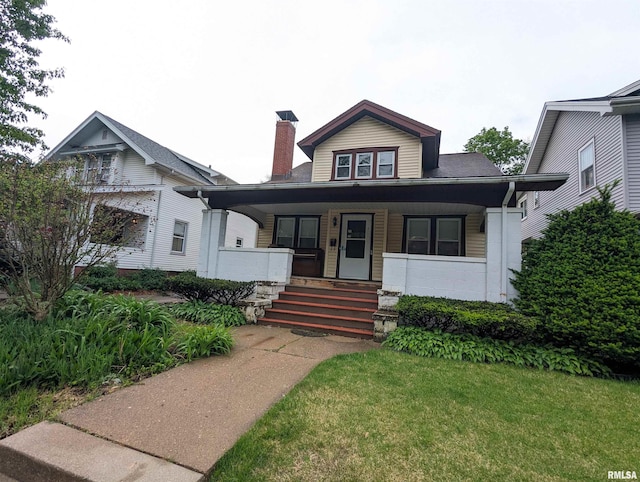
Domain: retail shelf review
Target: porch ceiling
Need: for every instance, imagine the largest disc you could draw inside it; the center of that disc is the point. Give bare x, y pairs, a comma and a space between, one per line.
256, 200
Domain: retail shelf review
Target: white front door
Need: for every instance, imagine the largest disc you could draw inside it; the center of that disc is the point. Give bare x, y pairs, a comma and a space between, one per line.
355, 246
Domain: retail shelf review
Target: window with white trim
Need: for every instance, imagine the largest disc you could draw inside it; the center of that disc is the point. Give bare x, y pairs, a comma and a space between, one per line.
586, 166
179, 242
418, 235
239, 242
343, 166
365, 163
98, 168
536, 199
448, 236
386, 164
297, 231
522, 204
440, 235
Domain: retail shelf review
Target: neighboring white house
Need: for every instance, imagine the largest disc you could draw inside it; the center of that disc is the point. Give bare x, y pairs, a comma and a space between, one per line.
596, 141
166, 226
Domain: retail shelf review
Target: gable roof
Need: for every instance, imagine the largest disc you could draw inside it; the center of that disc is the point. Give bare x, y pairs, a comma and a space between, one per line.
149, 150
429, 136
623, 101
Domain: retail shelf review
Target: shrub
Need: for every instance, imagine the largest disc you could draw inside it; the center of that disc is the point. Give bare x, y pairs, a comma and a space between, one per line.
225, 292
196, 341
480, 318
582, 280
436, 344
207, 313
92, 337
106, 278
153, 279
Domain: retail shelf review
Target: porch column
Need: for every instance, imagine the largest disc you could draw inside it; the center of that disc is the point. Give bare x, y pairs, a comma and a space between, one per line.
497, 271
212, 235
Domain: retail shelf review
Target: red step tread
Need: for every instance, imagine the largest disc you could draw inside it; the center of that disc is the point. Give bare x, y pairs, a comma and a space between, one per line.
318, 315
322, 305
328, 297
355, 331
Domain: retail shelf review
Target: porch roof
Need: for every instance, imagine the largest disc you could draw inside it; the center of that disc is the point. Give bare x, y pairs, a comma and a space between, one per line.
257, 200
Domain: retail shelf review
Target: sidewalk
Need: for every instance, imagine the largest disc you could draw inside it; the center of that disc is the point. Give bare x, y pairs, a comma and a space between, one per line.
193, 414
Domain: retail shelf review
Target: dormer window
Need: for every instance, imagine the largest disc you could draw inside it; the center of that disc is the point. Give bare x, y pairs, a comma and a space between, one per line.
371, 163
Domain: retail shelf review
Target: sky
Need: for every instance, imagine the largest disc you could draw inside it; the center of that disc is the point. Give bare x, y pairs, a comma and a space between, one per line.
204, 78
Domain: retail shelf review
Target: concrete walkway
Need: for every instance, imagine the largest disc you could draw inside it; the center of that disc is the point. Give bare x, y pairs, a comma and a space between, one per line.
190, 415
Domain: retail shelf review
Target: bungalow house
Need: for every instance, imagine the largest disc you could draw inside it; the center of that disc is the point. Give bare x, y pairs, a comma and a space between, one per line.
161, 228
596, 141
376, 208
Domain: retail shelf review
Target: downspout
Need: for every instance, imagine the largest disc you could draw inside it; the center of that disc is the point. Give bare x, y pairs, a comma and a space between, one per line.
504, 275
204, 264
203, 199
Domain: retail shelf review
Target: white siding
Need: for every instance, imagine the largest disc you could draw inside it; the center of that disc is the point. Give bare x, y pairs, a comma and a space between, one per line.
240, 226
368, 132
134, 170
632, 138
572, 131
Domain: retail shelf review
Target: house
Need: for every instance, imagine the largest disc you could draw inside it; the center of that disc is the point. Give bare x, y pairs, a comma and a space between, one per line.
378, 205
596, 141
161, 228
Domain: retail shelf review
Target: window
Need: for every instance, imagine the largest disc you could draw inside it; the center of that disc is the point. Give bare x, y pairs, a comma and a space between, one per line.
296, 231
99, 169
386, 163
536, 199
586, 166
366, 163
448, 236
522, 204
343, 166
418, 230
238, 242
179, 243
440, 235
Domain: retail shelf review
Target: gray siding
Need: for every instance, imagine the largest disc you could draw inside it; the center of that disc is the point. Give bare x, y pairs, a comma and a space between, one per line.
632, 138
572, 131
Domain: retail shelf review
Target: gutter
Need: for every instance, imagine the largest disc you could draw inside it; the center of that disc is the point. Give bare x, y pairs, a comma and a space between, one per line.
505, 238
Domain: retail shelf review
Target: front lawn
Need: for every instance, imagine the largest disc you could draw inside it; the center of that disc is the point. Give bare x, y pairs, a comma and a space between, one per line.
384, 415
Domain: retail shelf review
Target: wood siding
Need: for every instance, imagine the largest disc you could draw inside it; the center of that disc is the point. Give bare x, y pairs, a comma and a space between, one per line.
135, 171
368, 132
632, 141
475, 240
572, 131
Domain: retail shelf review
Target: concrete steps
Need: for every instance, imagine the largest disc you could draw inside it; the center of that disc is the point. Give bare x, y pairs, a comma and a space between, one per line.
334, 307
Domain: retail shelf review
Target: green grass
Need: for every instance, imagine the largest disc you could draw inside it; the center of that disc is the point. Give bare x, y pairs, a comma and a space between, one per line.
390, 416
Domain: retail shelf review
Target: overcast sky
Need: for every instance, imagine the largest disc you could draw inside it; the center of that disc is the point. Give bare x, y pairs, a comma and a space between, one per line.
205, 78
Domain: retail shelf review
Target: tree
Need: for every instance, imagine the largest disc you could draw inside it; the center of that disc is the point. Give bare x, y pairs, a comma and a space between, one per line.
23, 23
501, 148
52, 218
582, 281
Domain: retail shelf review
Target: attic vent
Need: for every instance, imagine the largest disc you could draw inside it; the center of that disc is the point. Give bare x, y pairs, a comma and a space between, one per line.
105, 133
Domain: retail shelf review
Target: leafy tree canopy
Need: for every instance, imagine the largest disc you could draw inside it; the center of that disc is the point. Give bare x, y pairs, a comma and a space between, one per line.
501, 148
582, 281
22, 23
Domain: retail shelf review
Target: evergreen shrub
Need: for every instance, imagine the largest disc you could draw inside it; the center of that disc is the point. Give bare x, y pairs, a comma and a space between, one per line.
582, 281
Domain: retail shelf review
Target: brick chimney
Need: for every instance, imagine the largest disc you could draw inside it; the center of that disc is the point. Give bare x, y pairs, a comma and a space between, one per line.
283, 149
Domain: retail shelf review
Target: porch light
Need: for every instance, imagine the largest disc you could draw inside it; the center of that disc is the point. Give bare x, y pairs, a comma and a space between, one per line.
334, 221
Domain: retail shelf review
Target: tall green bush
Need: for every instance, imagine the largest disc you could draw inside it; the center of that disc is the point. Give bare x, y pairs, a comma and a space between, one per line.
582, 280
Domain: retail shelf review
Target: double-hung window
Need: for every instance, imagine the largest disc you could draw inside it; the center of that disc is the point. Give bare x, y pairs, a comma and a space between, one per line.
343, 166
522, 204
179, 241
297, 231
366, 163
438, 235
99, 168
586, 166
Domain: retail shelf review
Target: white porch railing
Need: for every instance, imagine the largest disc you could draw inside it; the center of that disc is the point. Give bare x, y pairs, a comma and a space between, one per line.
459, 278
254, 264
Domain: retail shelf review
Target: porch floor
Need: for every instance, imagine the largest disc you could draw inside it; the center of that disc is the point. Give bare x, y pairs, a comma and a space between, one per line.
339, 307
